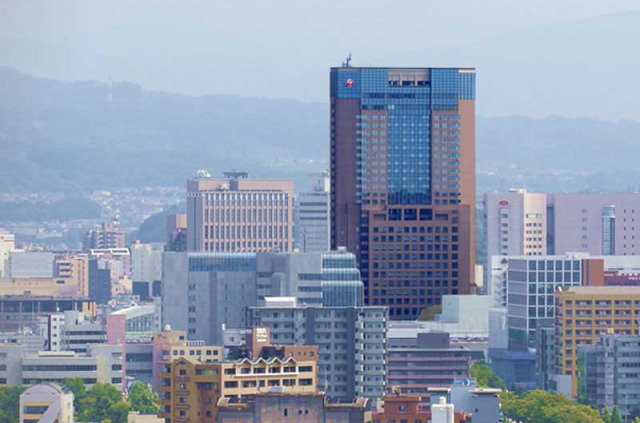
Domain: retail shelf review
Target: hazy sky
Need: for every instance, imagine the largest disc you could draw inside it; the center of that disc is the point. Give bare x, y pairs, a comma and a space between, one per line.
256, 48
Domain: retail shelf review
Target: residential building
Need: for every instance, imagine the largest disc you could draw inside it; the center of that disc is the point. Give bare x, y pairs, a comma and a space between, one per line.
46, 403
191, 390
583, 313
237, 214
609, 375
304, 407
411, 408
429, 360
311, 215
146, 269
403, 181
169, 345
351, 342
74, 268
215, 289
108, 236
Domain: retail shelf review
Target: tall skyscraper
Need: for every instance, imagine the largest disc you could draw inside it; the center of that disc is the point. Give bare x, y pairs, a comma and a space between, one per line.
403, 181
237, 214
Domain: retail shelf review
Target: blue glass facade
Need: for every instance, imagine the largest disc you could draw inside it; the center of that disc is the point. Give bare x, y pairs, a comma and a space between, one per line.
408, 106
403, 181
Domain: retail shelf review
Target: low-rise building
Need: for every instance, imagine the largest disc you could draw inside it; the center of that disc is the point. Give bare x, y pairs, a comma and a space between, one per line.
46, 403
412, 408
101, 363
299, 407
416, 364
190, 389
482, 403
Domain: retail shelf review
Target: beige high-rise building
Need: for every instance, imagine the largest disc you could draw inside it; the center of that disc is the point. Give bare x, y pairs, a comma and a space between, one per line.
237, 214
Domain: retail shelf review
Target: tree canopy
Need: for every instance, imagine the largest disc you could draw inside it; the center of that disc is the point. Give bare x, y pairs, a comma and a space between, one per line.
539, 406
485, 377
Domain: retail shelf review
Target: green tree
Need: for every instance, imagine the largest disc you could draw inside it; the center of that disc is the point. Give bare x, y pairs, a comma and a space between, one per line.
606, 415
544, 407
615, 415
118, 412
485, 377
142, 398
10, 403
97, 404
77, 386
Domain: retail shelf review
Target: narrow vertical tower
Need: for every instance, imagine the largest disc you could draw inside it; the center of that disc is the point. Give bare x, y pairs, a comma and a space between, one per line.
403, 181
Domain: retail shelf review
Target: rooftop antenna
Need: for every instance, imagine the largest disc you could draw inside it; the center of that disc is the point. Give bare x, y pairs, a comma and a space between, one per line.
347, 62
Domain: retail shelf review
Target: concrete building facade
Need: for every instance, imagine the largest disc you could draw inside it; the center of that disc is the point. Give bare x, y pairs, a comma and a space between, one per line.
351, 342
215, 289
312, 210
610, 374
191, 390
585, 313
237, 214
522, 223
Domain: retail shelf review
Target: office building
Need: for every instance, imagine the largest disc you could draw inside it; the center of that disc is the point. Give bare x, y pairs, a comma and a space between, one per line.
351, 342
522, 223
531, 284
237, 214
74, 331
303, 407
429, 360
583, 313
46, 403
146, 269
101, 363
216, 288
609, 375
191, 390
108, 236
19, 313
403, 181
515, 223
311, 215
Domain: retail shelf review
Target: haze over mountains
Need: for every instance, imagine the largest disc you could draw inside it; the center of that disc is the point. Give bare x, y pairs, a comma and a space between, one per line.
83, 136
580, 67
